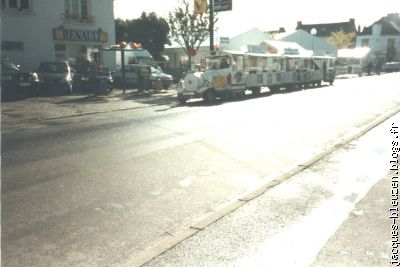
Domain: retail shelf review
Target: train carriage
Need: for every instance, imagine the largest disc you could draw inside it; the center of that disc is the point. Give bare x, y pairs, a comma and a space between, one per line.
232, 73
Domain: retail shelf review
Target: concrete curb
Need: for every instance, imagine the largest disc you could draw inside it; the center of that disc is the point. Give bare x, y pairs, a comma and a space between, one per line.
172, 240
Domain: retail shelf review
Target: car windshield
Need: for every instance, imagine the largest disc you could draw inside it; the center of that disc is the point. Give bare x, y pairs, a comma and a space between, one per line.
53, 67
154, 70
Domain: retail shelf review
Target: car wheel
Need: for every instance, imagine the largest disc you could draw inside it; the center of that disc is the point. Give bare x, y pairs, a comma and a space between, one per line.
166, 85
182, 100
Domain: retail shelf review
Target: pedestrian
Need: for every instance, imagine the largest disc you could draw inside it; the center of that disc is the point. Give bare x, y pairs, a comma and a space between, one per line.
369, 68
378, 68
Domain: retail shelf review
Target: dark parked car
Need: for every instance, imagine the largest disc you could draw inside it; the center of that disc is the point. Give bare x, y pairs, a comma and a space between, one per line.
391, 67
158, 75
144, 77
16, 83
55, 77
99, 80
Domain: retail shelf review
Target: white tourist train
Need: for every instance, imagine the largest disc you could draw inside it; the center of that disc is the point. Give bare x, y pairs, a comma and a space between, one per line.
231, 73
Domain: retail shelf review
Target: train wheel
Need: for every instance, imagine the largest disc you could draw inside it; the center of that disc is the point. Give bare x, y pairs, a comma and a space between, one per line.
274, 89
256, 91
209, 96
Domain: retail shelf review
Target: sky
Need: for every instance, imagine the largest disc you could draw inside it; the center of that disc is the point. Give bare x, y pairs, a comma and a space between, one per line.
269, 15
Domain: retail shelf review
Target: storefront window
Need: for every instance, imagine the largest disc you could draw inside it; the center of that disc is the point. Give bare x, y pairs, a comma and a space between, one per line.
24, 4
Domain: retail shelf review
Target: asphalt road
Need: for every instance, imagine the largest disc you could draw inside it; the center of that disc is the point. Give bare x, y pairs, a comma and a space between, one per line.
334, 213
96, 190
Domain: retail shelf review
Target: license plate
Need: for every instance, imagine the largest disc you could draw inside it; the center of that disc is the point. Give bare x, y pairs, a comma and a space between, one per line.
188, 93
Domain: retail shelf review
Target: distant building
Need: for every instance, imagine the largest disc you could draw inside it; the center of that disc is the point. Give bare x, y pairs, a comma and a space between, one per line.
324, 30
252, 37
34, 31
276, 32
383, 37
308, 41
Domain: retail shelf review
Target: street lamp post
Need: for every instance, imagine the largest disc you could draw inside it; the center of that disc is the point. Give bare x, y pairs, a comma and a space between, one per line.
313, 33
211, 25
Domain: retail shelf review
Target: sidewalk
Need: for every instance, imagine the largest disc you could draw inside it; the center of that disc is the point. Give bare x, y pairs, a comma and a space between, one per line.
42, 108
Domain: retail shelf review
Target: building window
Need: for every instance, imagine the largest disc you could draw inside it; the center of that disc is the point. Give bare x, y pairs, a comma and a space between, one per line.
67, 9
76, 9
12, 46
364, 42
390, 43
12, 3
24, 4
84, 9
60, 47
17, 5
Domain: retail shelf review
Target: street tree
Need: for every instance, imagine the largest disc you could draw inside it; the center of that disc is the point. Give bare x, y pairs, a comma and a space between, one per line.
149, 30
188, 29
341, 39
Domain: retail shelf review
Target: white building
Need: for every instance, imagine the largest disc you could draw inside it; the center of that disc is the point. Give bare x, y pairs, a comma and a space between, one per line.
383, 37
309, 42
33, 31
252, 37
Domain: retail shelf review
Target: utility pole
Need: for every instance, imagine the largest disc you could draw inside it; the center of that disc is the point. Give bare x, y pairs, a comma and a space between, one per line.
211, 26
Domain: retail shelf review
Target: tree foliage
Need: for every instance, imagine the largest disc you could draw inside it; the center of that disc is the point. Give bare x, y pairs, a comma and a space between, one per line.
149, 30
188, 29
341, 39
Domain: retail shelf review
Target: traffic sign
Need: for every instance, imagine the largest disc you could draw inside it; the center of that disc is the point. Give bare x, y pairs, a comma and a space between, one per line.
200, 6
222, 5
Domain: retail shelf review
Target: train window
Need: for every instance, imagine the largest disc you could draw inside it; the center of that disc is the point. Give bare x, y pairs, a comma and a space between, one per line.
238, 62
217, 62
288, 67
306, 63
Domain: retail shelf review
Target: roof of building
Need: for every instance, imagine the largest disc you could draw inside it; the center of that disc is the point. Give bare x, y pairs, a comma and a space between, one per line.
325, 29
390, 25
281, 47
358, 52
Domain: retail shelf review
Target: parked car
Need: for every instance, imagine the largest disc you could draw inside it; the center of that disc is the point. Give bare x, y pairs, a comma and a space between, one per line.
17, 83
91, 81
391, 67
135, 75
158, 75
101, 81
55, 77
143, 76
